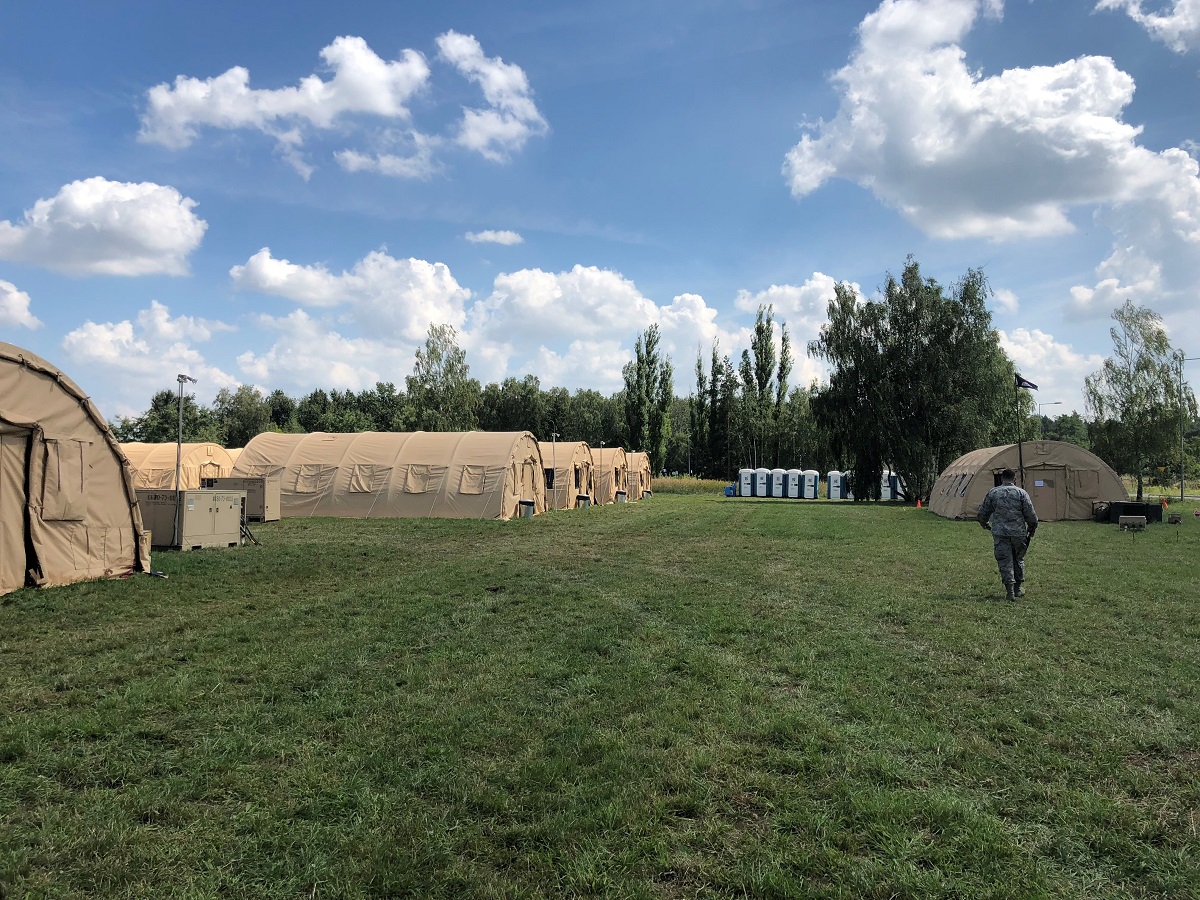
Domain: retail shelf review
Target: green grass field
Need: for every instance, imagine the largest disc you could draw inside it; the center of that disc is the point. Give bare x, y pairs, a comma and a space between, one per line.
687, 696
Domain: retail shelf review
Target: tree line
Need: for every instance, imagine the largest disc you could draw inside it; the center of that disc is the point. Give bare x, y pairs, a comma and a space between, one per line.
917, 378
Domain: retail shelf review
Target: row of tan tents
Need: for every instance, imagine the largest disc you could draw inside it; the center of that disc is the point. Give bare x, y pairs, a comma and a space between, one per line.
399, 475
68, 490
396, 474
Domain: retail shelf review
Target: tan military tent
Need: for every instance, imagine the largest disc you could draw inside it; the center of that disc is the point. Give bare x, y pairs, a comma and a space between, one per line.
639, 475
568, 468
1062, 480
234, 453
68, 511
611, 473
154, 464
373, 474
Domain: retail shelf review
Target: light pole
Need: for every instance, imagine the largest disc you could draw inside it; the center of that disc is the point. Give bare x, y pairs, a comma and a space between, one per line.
1182, 459
554, 462
182, 379
1042, 424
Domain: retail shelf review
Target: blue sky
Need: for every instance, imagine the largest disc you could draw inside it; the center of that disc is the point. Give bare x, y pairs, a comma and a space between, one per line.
286, 195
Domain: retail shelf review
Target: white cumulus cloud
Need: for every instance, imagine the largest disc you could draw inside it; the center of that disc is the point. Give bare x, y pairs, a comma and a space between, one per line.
362, 90
362, 83
102, 227
1055, 367
1178, 26
415, 161
309, 353
130, 361
14, 307
504, 238
511, 117
962, 155
396, 298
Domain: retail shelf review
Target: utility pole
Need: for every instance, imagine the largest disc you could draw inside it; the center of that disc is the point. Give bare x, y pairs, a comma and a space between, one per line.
177, 536
554, 462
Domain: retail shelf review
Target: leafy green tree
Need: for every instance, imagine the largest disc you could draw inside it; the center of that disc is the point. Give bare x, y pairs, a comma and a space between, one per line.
442, 395
698, 420
160, 423
649, 389
382, 406
1133, 401
762, 392
918, 378
282, 410
1069, 427
241, 415
516, 404
312, 409
592, 418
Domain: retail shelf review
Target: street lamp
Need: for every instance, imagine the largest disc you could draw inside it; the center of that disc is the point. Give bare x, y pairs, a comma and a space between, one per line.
1041, 423
1182, 462
182, 379
554, 462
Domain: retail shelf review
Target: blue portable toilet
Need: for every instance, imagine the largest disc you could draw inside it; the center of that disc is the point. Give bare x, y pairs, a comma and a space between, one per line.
793, 483
844, 489
836, 484
779, 482
762, 482
810, 484
745, 483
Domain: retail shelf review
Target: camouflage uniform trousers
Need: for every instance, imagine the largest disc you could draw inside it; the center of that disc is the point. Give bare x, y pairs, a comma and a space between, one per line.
1010, 557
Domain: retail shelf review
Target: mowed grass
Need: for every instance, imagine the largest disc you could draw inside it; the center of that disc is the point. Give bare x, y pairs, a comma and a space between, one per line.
686, 696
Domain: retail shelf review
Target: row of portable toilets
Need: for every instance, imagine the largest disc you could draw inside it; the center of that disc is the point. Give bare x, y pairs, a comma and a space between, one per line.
805, 484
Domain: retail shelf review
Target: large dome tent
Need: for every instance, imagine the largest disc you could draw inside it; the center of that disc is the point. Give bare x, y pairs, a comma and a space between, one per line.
571, 465
1062, 479
639, 474
376, 474
68, 510
154, 464
611, 468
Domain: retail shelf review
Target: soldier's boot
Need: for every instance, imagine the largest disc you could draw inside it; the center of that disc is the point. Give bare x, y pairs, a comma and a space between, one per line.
1018, 589
1009, 592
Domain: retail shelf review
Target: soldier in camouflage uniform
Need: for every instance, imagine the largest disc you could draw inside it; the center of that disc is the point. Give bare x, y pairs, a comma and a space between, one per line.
1008, 513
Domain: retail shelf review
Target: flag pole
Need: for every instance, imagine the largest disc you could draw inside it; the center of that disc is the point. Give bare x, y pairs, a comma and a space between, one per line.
1017, 415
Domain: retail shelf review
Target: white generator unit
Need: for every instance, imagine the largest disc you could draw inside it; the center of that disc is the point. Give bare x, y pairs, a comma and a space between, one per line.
262, 494
793, 483
762, 482
779, 482
207, 518
810, 486
745, 482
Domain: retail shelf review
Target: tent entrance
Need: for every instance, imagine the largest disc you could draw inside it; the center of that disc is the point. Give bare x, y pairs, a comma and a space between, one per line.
15, 547
1047, 489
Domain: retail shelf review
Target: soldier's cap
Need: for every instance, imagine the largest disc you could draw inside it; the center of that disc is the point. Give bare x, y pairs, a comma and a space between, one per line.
1008, 474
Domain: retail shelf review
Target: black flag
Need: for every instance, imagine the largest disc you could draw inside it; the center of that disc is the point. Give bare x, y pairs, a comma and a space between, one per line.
1021, 382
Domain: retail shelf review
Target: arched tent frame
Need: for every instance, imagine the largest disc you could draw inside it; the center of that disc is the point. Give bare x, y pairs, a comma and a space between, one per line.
1062, 479
572, 465
611, 468
471, 474
640, 474
153, 465
68, 509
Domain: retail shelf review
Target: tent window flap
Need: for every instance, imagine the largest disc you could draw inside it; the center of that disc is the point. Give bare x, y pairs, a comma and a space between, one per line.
473, 481
63, 498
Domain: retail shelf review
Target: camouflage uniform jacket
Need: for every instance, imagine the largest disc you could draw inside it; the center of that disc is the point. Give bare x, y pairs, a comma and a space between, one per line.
1010, 511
